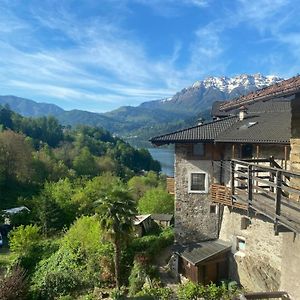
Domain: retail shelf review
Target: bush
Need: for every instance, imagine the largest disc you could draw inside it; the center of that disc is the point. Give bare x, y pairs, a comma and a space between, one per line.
81, 262
14, 285
193, 291
24, 239
137, 278
26, 243
152, 244
188, 291
157, 293
156, 201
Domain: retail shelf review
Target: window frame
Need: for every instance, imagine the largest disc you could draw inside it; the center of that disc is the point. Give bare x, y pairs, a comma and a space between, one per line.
240, 239
205, 191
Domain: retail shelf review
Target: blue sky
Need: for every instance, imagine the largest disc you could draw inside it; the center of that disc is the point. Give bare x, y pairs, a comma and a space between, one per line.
98, 55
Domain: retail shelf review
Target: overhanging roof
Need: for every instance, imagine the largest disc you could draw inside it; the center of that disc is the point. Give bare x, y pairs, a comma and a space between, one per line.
205, 132
267, 122
196, 253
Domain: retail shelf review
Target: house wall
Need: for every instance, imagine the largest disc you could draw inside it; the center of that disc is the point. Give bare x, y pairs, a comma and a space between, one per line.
258, 267
291, 241
193, 220
269, 262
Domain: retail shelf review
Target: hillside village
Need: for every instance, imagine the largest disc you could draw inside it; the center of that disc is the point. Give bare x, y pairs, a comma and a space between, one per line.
237, 193
105, 224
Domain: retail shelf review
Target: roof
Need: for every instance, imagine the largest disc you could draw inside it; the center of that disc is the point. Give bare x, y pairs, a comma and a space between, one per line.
16, 210
274, 104
199, 252
162, 217
281, 89
140, 219
205, 132
270, 128
265, 122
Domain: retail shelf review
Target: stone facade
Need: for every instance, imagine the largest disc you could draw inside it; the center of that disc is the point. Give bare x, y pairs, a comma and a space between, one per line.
194, 221
269, 261
258, 266
291, 241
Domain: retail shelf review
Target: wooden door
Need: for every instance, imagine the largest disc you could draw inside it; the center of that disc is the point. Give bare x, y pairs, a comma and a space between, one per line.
211, 273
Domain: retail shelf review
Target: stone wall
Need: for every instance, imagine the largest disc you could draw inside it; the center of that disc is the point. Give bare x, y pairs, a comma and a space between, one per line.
193, 219
258, 267
291, 241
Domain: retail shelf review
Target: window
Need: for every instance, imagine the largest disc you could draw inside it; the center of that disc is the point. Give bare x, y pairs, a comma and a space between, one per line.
213, 209
198, 183
240, 244
245, 222
198, 149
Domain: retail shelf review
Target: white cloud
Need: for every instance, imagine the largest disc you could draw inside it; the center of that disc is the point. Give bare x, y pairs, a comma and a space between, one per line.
106, 62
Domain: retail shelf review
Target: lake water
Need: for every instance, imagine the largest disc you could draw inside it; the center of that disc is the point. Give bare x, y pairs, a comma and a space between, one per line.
166, 158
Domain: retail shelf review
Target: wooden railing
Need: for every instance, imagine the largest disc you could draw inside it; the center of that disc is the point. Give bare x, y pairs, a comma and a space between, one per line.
222, 195
171, 185
269, 191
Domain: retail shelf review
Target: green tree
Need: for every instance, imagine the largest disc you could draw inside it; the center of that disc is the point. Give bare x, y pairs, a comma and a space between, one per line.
156, 201
24, 239
85, 164
15, 157
116, 211
48, 213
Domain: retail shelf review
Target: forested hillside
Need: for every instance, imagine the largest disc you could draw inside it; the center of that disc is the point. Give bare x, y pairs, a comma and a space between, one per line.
81, 189
35, 150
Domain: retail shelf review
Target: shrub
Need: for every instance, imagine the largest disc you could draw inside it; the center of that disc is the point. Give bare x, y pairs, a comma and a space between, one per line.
157, 293
24, 239
156, 201
188, 291
137, 278
193, 291
14, 285
80, 262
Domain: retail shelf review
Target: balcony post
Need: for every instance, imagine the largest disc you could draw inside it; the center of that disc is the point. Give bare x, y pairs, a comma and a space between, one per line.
278, 199
250, 186
232, 181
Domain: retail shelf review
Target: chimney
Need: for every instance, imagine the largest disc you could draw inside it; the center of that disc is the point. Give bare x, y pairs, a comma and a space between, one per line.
200, 121
242, 112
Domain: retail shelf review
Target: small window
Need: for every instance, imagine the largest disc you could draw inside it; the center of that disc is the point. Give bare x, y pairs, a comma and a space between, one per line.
198, 182
213, 209
245, 222
198, 149
240, 244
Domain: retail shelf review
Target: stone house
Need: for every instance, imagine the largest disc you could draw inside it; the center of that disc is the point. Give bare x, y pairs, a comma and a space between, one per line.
237, 184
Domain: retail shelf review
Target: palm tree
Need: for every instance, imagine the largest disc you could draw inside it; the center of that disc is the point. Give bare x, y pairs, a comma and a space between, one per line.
116, 211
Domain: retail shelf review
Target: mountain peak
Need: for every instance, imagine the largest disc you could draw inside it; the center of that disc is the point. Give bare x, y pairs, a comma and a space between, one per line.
228, 84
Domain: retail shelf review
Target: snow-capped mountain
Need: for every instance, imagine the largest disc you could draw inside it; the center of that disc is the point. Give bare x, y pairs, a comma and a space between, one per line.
154, 117
200, 95
227, 84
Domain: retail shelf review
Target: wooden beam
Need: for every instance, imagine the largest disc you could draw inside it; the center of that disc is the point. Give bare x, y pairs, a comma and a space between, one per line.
285, 157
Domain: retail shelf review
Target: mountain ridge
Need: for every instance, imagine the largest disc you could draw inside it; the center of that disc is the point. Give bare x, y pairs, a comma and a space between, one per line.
157, 116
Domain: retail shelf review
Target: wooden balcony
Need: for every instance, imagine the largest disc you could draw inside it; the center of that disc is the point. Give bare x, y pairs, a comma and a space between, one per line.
222, 195
269, 191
